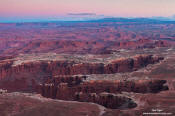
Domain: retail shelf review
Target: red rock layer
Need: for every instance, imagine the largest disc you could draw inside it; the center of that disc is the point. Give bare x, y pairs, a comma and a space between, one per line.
75, 46
94, 91
71, 68
65, 92
27, 75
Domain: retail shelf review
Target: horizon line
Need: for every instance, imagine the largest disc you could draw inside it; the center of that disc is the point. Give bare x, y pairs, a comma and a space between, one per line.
77, 19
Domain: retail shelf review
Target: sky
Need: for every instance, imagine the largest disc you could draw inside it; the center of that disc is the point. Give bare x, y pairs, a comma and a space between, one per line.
48, 9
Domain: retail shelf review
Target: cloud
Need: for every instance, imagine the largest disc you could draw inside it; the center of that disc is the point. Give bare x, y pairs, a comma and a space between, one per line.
82, 14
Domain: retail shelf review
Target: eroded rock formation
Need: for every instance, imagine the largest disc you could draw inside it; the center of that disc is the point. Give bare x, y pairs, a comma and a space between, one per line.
29, 74
94, 91
66, 80
141, 86
71, 68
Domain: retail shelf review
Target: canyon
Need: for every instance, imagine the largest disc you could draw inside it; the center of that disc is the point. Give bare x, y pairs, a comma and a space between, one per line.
68, 79
28, 73
109, 67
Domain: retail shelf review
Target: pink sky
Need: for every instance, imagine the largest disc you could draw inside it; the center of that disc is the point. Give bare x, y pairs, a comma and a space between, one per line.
49, 8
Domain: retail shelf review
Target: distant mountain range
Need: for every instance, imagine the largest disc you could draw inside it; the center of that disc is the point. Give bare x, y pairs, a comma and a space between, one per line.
125, 20
172, 18
88, 18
